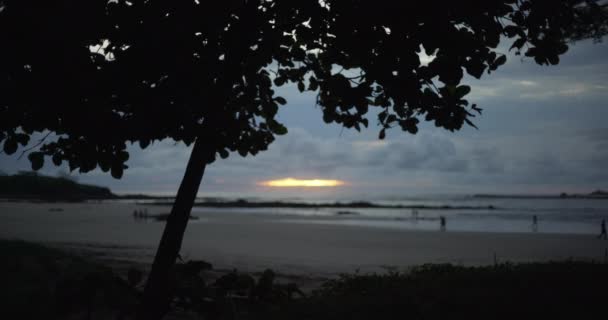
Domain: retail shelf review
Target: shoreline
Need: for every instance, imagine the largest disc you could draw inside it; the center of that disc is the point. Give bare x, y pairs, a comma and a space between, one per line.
163, 201
321, 205
254, 242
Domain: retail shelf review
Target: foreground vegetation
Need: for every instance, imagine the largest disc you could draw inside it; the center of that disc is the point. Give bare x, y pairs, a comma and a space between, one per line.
571, 289
45, 283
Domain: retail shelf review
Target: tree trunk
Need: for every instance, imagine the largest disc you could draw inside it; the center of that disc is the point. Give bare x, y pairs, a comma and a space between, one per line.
157, 293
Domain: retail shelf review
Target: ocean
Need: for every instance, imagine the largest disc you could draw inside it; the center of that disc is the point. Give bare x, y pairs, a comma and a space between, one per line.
462, 213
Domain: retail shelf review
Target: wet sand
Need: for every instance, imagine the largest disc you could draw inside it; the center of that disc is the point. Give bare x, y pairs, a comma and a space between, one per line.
316, 248
253, 242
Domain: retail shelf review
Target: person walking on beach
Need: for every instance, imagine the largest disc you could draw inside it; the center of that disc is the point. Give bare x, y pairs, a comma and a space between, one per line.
603, 233
442, 222
534, 223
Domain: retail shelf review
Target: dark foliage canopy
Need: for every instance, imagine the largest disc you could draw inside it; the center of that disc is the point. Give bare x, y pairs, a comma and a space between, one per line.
98, 74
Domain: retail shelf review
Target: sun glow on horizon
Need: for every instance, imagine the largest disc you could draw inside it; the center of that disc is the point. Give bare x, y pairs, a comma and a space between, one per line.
292, 182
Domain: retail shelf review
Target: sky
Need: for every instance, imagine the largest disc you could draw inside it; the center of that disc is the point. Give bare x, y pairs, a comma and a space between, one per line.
544, 130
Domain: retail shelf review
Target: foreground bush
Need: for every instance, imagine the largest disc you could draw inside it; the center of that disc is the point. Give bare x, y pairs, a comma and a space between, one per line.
507, 291
39, 282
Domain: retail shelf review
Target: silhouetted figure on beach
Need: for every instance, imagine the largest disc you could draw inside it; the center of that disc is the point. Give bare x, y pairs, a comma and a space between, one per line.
603, 233
415, 215
442, 222
140, 214
534, 223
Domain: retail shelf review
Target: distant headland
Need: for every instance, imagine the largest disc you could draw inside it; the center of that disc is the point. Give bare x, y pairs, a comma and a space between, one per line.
33, 186
597, 194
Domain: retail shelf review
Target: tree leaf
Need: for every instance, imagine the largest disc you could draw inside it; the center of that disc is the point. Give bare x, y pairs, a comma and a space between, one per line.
56, 159
462, 91
313, 85
475, 69
117, 171
279, 81
469, 122
277, 127
518, 44
223, 153
10, 146
382, 134
144, 143
37, 160
499, 62
511, 31
23, 139
280, 100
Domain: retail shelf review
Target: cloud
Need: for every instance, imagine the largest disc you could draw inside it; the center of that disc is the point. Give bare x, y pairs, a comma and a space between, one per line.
582, 72
431, 161
543, 129
541, 88
527, 83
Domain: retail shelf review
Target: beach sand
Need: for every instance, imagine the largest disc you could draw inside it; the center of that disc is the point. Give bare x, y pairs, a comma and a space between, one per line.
315, 248
253, 242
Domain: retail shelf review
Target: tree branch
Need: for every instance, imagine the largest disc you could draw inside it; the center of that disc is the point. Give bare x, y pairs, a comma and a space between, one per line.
34, 146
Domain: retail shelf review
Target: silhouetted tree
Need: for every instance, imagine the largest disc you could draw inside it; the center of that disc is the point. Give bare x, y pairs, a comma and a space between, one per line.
99, 74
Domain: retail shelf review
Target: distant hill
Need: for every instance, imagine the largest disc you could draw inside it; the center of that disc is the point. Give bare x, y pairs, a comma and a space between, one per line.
29, 185
598, 194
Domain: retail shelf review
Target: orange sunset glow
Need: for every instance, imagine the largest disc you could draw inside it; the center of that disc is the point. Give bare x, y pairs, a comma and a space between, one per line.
292, 182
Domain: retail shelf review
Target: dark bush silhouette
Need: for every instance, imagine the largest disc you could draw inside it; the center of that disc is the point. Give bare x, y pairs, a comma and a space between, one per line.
555, 290
91, 76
